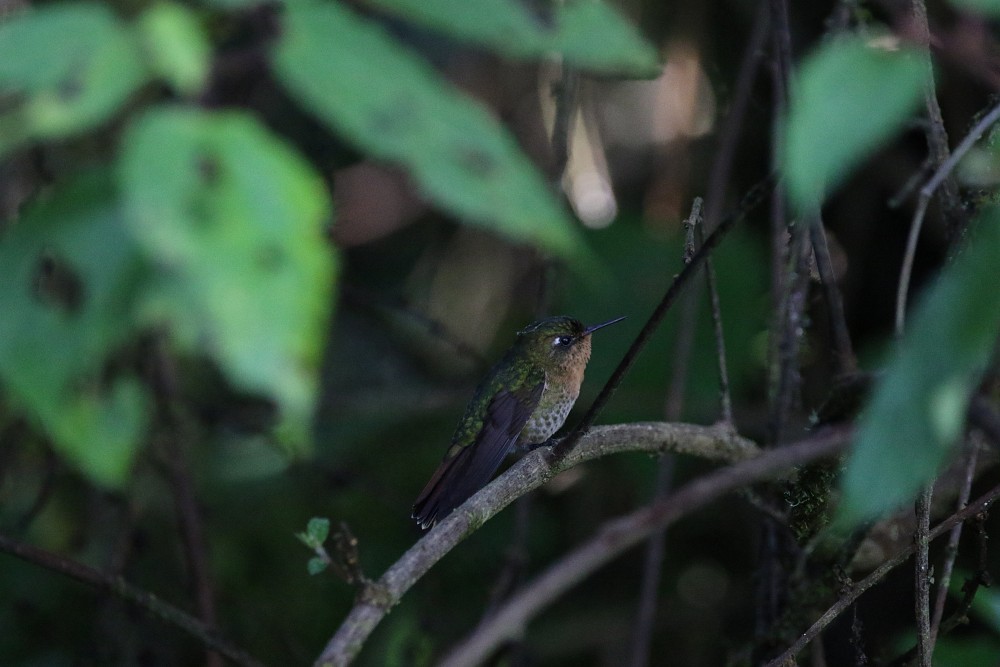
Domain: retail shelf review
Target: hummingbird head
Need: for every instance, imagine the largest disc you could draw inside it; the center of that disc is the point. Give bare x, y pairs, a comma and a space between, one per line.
561, 342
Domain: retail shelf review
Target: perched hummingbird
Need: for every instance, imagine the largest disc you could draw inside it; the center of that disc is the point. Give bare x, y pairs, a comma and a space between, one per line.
522, 402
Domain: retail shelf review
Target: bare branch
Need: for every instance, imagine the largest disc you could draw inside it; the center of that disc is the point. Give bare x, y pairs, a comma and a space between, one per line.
841, 605
529, 473
922, 577
616, 536
752, 199
652, 564
846, 363
126, 591
926, 193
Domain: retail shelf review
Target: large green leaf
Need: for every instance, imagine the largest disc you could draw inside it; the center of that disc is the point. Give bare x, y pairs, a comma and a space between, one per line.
849, 99
234, 219
65, 69
67, 289
393, 105
918, 410
587, 33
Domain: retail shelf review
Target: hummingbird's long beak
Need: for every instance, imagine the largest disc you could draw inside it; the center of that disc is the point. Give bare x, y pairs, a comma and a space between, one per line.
594, 327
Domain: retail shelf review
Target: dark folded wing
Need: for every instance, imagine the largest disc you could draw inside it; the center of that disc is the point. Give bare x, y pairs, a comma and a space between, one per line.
461, 475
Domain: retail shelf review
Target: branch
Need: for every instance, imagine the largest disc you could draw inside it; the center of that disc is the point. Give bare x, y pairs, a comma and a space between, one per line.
126, 591
926, 193
841, 605
752, 199
922, 576
529, 473
618, 535
652, 565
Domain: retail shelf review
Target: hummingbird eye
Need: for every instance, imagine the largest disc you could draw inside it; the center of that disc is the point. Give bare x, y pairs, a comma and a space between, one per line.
562, 341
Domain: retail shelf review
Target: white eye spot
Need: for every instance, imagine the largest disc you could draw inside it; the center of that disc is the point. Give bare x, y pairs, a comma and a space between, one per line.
562, 341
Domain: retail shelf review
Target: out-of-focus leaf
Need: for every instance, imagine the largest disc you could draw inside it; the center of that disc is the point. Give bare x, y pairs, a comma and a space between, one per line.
63, 68
588, 33
985, 7
917, 412
316, 565
389, 102
177, 44
234, 221
318, 529
849, 99
67, 291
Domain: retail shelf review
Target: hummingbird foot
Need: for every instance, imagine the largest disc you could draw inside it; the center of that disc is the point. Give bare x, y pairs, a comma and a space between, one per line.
532, 446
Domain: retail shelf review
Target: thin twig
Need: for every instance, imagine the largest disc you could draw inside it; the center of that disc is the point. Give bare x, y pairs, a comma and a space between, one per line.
752, 199
951, 550
769, 584
527, 474
908, 257
937, 135
182, 487
790, 331
725, 399
780, 68
981, 577
652, 571
969, 590
846, 362
857, 589
926, 193
618, 535
652, 564
922, 577
119, 587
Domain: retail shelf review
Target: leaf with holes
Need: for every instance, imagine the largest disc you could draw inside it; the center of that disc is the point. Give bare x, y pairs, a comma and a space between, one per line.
918, 410
588, 34
233, 219
71, 276
64, 68
390, 103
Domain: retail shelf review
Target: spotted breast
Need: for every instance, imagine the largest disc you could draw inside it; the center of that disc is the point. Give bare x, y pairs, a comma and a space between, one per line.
549, 416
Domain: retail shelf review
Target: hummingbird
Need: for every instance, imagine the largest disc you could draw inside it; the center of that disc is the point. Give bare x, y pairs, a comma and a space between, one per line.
522, 402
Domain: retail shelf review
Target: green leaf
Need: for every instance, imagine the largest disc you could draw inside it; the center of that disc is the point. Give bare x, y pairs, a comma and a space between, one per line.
587, 33
318, 529
390, 103
179, 50
67, 67
316, 565
985, 7
849, 99
234, 221
67, 292
917, 412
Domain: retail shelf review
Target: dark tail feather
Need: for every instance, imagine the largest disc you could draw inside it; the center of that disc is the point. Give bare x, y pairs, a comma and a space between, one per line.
456, 480
428, 506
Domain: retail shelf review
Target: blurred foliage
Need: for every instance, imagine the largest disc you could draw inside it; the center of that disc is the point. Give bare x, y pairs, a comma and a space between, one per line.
918, 411
68, 290
177, 319
985, 7
396, 107
877, 89
68, 68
